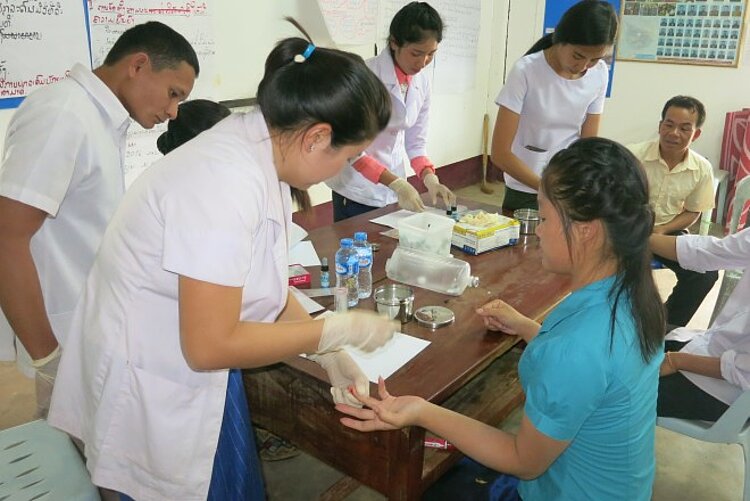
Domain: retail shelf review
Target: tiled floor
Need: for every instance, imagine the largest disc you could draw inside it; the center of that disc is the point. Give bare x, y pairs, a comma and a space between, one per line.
687, 470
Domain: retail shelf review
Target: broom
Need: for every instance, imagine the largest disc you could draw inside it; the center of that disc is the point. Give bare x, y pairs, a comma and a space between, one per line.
485, 140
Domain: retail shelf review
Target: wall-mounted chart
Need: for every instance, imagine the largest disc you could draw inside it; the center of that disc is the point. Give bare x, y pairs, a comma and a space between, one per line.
703, 32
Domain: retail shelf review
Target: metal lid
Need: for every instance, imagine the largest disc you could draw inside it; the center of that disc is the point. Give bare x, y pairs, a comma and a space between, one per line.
434, 317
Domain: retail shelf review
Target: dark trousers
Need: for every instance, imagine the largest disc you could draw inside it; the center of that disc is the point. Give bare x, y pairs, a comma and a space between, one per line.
690, 291
680, 398
515, 199
343, 208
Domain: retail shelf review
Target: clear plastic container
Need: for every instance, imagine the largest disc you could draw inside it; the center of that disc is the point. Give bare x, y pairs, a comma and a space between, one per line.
364, 250
446, 275
426, 232
347, 269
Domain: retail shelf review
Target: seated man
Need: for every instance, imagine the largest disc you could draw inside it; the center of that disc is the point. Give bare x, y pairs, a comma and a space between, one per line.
681, 187
700, 379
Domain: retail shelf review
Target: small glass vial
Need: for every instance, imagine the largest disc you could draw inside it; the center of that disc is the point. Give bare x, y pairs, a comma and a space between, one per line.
325, 277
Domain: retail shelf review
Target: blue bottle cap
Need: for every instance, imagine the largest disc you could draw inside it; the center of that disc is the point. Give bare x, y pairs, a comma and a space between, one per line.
346, 242
360, 235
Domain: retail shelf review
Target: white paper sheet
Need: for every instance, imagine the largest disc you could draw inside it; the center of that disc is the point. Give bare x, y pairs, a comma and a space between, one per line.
391, 220
296, 235
304, 253
307, 303
389, 358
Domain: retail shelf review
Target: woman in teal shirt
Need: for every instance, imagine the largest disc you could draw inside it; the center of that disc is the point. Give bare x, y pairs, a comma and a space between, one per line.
590, 372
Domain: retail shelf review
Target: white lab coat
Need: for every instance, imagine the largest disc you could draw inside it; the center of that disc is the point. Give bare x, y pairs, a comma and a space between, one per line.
213, 210
404, 138
64, 154
729, 336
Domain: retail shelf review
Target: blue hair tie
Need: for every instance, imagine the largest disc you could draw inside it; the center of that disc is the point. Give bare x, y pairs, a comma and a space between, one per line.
301, 58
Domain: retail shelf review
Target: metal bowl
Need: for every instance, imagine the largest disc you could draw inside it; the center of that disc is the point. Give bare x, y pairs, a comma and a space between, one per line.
395, 301
529, 219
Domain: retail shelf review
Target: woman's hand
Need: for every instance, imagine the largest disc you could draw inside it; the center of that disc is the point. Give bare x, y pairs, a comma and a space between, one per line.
500, 316
386, 413
667, 367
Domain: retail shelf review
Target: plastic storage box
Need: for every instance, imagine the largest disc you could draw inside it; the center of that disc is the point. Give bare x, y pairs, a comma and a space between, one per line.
426, 232
475, 239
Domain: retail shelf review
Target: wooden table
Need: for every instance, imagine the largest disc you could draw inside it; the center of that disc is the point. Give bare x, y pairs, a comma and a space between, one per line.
465, 368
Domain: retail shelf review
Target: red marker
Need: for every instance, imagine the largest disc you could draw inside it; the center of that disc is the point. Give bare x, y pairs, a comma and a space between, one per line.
438, 443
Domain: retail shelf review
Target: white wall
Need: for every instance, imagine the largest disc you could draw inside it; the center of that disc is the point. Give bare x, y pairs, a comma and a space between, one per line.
246, 32
640, 89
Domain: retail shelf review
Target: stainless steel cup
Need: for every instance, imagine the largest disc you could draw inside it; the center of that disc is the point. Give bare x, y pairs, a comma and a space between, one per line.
395, 301
529, 219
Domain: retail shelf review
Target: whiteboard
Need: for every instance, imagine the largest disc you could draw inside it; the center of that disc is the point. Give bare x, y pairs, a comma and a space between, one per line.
193, 20
354, 22
32, 52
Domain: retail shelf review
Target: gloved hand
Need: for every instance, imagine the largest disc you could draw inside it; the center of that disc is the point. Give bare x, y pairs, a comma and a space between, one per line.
343, 372
435, 189
360, 329
44, 379
408, 196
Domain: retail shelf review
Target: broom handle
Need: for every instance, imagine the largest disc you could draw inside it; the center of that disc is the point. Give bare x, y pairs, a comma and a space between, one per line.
485, 140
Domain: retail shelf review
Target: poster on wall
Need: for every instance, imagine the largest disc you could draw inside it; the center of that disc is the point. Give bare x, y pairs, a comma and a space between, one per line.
359, 22
553, 11
40, 42
194, 20
701, 32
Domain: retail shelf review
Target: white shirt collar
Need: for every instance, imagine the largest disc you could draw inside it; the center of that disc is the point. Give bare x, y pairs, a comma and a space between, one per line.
102, 95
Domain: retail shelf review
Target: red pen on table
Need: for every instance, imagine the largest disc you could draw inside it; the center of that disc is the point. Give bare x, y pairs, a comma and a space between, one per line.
438, 443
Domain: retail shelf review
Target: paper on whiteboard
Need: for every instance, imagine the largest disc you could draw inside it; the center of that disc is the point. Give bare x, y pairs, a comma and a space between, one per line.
39, 47
350, 22
455, 62
193, 20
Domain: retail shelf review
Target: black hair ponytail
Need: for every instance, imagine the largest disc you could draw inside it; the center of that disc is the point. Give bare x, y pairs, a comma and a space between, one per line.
599, 179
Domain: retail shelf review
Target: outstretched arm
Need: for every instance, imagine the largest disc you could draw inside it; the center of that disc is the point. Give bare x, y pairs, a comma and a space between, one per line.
526, 455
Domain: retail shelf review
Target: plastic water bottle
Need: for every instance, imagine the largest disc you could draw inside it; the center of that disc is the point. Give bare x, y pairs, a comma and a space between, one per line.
365, 264
347, 269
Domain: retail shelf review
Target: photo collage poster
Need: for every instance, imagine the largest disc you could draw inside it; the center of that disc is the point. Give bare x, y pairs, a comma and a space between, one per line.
705, 32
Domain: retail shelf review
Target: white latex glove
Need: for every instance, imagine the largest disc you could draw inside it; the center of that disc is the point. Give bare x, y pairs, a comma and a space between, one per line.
361, 329
435, 189
343, 372
408, 196
44, 379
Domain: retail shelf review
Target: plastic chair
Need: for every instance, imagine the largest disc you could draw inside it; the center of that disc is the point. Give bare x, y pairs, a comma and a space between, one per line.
40, 462
730, 428
721, 179
731, 277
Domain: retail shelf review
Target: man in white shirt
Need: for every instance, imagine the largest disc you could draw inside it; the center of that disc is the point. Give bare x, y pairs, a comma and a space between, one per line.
708, 373
680, 188
61, 179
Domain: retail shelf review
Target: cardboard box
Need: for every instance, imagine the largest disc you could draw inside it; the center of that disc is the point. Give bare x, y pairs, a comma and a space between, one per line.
299, 276
477, 239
